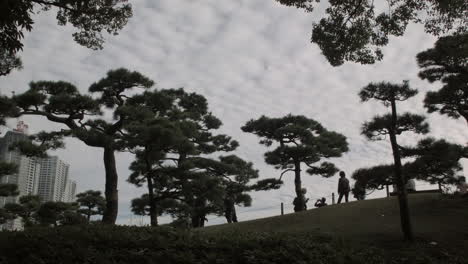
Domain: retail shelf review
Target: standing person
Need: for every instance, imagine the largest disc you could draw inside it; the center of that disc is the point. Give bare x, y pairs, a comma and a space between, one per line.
343, 187
462, 186
298, 206
230, 210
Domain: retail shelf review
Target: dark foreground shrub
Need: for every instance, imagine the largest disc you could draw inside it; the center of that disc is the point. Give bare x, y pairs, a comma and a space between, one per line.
138, 245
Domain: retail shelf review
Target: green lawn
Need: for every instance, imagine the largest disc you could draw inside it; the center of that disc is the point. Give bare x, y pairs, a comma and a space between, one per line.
437, 218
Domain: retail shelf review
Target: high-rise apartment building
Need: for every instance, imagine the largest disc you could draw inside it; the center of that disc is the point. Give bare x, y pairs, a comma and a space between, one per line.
27, 177
46, 177
53, 179
70, 192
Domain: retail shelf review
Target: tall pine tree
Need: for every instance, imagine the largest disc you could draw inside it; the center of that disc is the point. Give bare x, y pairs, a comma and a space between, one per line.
393, 124
84, 117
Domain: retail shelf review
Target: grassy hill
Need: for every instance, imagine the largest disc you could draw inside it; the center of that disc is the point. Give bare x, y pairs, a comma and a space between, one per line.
354, 233
436, 218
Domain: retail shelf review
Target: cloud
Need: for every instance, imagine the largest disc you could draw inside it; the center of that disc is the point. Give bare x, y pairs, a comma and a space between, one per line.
248, 57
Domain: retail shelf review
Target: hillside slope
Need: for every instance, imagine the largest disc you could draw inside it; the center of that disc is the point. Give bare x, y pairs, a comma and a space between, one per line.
435, 218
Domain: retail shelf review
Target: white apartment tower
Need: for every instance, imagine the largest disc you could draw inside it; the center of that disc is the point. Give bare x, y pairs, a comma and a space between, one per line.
46, 177
27, 177
53, 180
70, 192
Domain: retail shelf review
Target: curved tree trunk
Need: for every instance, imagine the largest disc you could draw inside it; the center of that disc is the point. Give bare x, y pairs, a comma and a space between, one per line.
400, 181
299, 202
111, 192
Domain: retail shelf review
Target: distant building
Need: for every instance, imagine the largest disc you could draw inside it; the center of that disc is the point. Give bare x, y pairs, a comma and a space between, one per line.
46, 177
70, 192
53, 179
27, 177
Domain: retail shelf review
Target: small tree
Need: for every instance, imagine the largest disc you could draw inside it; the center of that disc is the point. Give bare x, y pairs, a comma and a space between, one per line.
91, 203
219, 185
300, 141
7, 109
55, 213
356, 30
26, 209
393, 125
447, 61
435, 161
431, 160
7, 189
373, 178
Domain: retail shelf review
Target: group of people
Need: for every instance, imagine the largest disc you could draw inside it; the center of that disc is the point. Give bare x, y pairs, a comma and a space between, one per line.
344, 189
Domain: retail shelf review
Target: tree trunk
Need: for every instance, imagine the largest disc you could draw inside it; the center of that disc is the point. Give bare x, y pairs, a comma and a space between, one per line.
89, 214
112, 198
400, 180
198, 220
299, 204
233, 214
152, 203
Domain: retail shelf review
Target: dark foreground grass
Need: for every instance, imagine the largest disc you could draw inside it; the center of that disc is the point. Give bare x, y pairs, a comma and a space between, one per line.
249, 242
142, 245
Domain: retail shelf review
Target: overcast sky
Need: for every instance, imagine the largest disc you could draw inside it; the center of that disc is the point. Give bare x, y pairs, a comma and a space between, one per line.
248, 58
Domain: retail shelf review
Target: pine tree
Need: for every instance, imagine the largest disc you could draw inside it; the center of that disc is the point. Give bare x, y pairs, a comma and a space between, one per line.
91, 203
357, 30
447, 62
299, 140
83, 115
393, 125
26, 208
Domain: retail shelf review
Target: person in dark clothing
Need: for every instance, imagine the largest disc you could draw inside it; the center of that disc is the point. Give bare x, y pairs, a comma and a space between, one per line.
230, 210
300, 205
343, 187
320, 203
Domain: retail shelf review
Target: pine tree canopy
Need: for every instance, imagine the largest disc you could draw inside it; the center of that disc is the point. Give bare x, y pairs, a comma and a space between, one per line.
356, 30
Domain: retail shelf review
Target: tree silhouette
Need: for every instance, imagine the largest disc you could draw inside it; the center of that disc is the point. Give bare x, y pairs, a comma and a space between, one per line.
26, 209
171, 133
91, 203
300, 141
374, 178
431, 160
170, 126
356, 30
8, 62
6, 189
89, 17
447, 62
435, 161
55, 213
393, 125
83, 115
